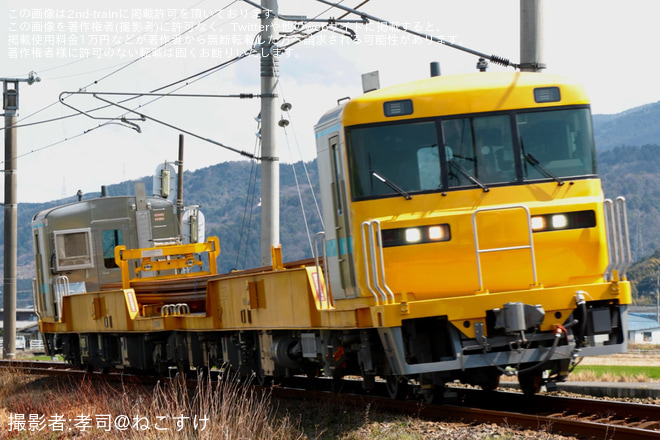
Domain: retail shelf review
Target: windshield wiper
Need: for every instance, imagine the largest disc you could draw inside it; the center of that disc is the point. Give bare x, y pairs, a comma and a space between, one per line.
536, 164
469, 176
391, 184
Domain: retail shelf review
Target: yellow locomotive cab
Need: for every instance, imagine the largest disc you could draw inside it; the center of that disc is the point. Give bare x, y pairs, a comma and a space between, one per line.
468, 210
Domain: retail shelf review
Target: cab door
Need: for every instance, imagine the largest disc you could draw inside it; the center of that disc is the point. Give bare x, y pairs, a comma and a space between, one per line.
342, 246
109, 234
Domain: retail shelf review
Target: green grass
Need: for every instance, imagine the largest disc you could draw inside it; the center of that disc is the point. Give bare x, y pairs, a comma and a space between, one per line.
44, 358
619, 372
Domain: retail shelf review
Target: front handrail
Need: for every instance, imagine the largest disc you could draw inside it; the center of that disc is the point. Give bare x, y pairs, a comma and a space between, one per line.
320, 237
62, 289
479, 251
374, 265
612, 242
618, 239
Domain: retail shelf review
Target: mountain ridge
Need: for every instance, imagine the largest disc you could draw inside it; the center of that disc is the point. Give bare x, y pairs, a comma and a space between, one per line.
633, 127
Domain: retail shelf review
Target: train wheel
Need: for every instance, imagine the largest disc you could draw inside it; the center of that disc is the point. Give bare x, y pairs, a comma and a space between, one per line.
530, 383
203, 372
491, 383
262, 379
397, 388
434, 396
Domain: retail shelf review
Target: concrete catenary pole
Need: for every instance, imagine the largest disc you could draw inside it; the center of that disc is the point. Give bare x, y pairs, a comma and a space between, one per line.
270, 172
10, 107
10, 253
179, 186
531, 36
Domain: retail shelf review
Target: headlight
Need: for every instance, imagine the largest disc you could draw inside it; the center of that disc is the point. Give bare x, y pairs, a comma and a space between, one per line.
416, 235
413, 235
559, 221
538, 223
436, 233
563, 221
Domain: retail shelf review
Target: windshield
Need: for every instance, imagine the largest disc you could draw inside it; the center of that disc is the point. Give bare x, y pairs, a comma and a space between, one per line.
560, 141
403, 154
480, 146
401, 159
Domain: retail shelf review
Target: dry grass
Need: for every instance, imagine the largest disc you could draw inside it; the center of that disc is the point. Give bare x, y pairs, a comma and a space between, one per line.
45, 409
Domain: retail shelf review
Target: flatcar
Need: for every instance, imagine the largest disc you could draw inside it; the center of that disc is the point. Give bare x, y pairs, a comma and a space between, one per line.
467, 237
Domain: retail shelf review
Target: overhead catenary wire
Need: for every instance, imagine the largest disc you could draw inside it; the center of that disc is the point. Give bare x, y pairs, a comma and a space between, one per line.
106, 123
494, 58
249, 201
213, 69
200, 75
19, 123
206, 73
251, 193
309, 180
190, 133
300, 198
122, 43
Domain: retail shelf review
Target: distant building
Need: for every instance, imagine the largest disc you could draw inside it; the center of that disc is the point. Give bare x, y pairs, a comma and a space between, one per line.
643, 330
24, 318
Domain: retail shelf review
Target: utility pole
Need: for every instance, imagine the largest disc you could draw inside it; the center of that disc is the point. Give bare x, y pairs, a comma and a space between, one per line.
531, 36
179, 187
10, 106
270, 171
657, 294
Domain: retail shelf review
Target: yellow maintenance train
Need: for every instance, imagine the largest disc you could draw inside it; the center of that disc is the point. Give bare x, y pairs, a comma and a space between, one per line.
466, 237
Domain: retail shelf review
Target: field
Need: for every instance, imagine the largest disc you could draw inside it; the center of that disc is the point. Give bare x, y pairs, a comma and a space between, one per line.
634, 366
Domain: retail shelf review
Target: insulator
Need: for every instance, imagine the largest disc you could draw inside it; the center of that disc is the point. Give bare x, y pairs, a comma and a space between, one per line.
286, 107
165, 183
283, 122
499, 60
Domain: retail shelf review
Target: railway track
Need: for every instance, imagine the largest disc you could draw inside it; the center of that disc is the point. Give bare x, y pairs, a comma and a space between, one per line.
582, 417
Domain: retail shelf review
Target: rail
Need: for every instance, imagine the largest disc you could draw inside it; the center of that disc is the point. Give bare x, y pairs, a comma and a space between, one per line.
173, 258
374, 265
480, 251
618, 239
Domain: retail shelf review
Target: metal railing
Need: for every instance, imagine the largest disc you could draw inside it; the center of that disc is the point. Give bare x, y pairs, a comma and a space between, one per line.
618, 239
374, 266
61, 288
480, 251
171, 258
175, 309
320, 237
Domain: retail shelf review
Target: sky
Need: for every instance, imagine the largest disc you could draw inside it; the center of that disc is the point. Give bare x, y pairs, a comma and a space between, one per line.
140, 46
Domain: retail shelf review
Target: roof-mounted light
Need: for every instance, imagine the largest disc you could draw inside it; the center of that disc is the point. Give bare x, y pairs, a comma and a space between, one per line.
547, 94
398, 108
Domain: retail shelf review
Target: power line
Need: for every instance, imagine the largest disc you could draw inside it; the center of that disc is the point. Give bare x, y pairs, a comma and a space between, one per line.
493, 58
196, 77
125, 65
219, 67
247, 53
159, 47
